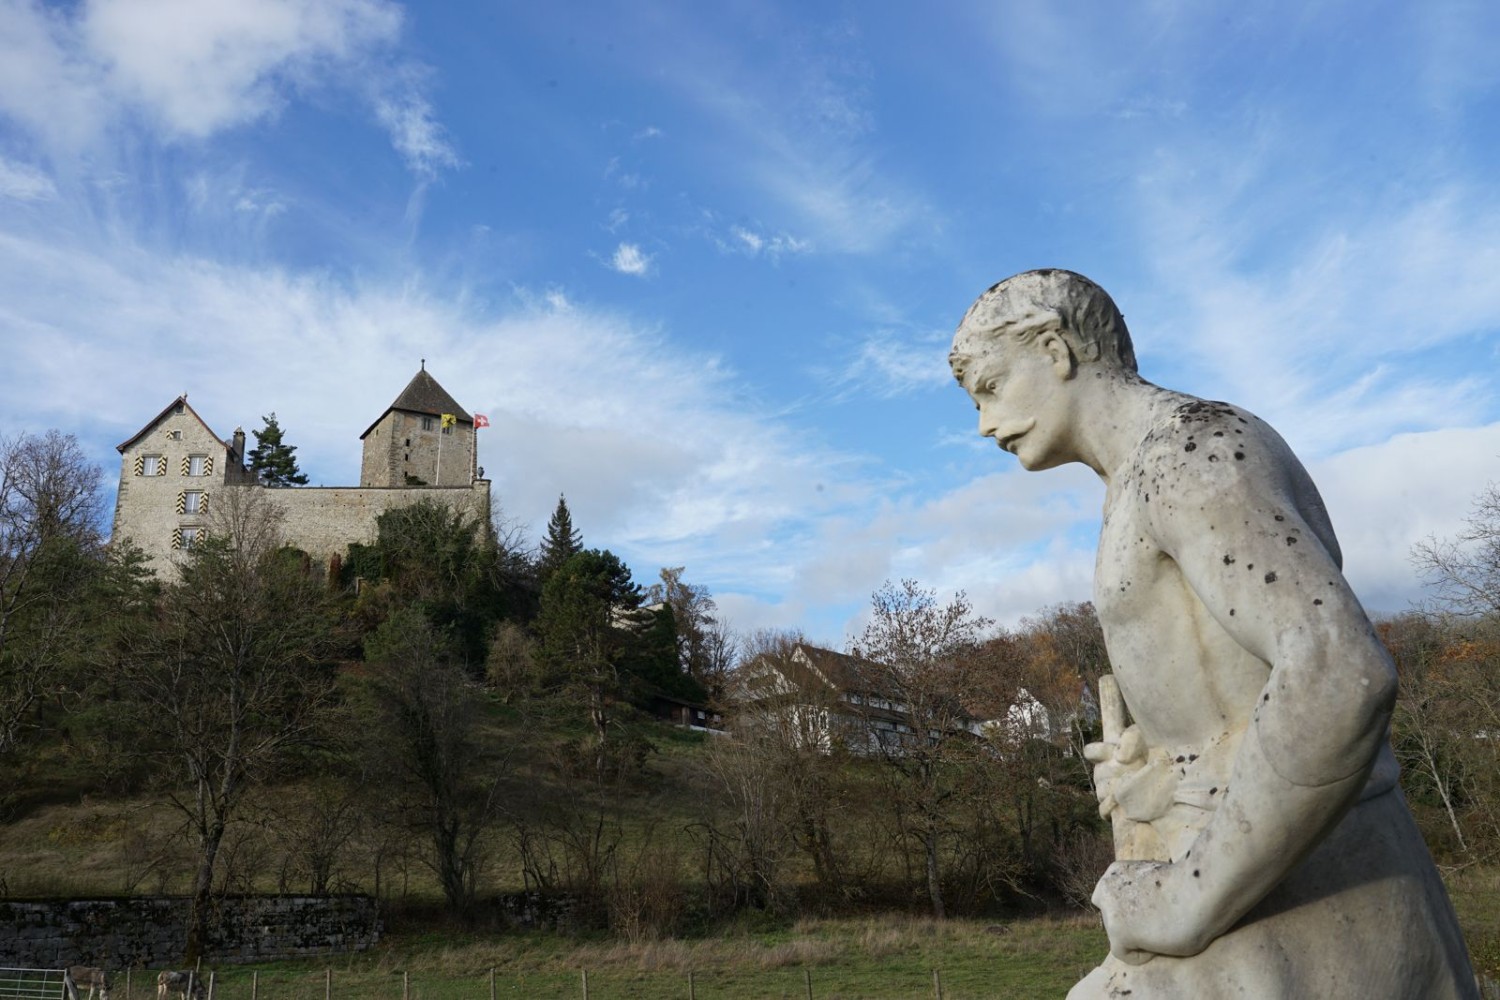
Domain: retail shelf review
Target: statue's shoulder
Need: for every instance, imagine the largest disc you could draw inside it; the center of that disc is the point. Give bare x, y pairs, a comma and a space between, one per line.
1199, 452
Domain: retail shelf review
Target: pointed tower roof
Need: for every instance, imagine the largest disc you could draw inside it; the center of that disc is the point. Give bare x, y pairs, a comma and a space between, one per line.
423, 395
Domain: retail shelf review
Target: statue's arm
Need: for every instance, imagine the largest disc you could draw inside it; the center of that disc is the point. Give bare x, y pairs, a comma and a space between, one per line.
1244, 548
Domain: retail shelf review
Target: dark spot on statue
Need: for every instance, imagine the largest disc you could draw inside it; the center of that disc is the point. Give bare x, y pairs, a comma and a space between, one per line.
1195, 873
1265, 697
1213, 458
1148, 498
1192, 757
1214, 790
1280, 518
1218, 434
1317, 600
1231, 612
1239, 456
1291, 540
1189, 447
1250, 566
1271, 576
1228, 559
1180, 759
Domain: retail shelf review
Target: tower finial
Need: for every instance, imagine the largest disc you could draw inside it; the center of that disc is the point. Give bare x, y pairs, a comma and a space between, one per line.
424, 364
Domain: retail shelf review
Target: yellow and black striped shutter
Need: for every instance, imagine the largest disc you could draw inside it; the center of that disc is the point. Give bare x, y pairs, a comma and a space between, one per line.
203, 504
140, 465
176, 538
182, 501
187, 463
208, 465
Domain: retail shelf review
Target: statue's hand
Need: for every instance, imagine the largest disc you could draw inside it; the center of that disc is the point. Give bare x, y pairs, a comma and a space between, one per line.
1151, 908
1114, 760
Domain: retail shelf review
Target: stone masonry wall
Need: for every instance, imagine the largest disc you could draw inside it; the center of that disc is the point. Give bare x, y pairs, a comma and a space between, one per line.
149, 932
323, 520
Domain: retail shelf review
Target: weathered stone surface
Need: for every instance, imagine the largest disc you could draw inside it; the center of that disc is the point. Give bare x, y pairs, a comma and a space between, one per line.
1263, 845
150, 931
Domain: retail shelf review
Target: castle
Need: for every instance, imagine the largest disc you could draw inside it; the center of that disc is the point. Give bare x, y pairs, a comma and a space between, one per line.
421, 448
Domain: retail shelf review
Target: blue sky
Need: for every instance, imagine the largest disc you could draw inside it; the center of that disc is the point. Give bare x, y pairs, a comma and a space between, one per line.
700, 263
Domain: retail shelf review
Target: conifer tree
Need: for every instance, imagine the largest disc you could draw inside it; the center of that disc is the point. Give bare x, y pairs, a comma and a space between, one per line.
562, 542
273, 462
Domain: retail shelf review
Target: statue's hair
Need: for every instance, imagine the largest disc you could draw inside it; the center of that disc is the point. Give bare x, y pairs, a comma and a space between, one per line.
1024, 306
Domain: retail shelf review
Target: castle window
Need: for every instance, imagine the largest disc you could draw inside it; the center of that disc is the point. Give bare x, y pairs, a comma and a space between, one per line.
427, 423
192, 502
197, 465
186, 538
152, 465
174, 435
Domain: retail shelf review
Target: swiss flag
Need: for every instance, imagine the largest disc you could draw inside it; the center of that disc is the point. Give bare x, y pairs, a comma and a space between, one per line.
480, 420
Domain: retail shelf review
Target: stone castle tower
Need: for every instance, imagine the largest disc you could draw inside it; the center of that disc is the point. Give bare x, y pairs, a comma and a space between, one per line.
424, 438
421, 448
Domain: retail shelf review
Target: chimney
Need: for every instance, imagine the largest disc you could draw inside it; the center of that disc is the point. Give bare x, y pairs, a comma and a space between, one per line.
237, 444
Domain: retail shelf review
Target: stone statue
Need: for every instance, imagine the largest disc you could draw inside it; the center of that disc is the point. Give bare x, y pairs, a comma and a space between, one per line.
1263, 848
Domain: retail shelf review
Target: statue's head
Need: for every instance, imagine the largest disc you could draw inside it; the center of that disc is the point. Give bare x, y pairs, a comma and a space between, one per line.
1021, 308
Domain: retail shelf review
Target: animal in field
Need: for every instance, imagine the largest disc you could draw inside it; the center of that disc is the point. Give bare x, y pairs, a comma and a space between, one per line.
178, 982
79, 976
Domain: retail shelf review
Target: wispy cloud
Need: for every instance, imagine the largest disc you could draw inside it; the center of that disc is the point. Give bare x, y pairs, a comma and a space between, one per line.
888, 365
24, 183
752, 243
415, 132
628, 259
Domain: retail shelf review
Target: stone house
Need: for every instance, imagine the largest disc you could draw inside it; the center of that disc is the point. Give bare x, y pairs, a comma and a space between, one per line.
421, 447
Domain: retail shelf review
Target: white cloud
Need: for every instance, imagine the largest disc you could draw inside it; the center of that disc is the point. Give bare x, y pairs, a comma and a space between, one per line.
628, 259
1386, 497
202, 67
25, 183
187, 69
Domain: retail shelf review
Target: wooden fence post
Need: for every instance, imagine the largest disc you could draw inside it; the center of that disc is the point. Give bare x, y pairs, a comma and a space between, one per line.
405, 986
692, 992
807, 976
327, 983
255, 985
937, 984
127, 982
212, 981
585, 984
492, 982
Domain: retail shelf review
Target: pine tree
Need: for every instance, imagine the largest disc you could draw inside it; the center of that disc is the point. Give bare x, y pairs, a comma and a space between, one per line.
562, 542
272, 462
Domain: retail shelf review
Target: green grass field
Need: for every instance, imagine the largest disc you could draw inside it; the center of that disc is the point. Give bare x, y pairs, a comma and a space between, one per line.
881, 957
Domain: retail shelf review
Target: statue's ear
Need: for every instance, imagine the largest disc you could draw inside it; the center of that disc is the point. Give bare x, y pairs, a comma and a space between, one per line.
1064, 362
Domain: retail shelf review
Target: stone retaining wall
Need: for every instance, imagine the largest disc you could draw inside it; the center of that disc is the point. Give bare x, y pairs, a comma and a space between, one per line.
149, 932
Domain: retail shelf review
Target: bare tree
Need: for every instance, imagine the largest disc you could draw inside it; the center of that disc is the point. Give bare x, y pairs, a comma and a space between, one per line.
920, 651
423, 747
230, 674
50, 506
1464, 571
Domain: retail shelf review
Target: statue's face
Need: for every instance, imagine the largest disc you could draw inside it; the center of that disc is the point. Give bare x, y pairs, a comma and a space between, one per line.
1021, 395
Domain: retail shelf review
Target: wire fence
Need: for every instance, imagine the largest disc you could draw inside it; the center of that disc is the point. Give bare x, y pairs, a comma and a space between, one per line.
328, 984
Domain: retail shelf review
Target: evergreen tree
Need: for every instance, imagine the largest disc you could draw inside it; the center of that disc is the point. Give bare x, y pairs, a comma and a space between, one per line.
273, 462
561, 544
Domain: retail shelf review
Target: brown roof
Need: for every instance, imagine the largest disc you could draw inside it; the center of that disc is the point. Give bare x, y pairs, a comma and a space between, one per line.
423, 395
180, 400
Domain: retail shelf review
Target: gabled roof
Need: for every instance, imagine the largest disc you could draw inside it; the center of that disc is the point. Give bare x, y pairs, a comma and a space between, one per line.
423, 395
179, 401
